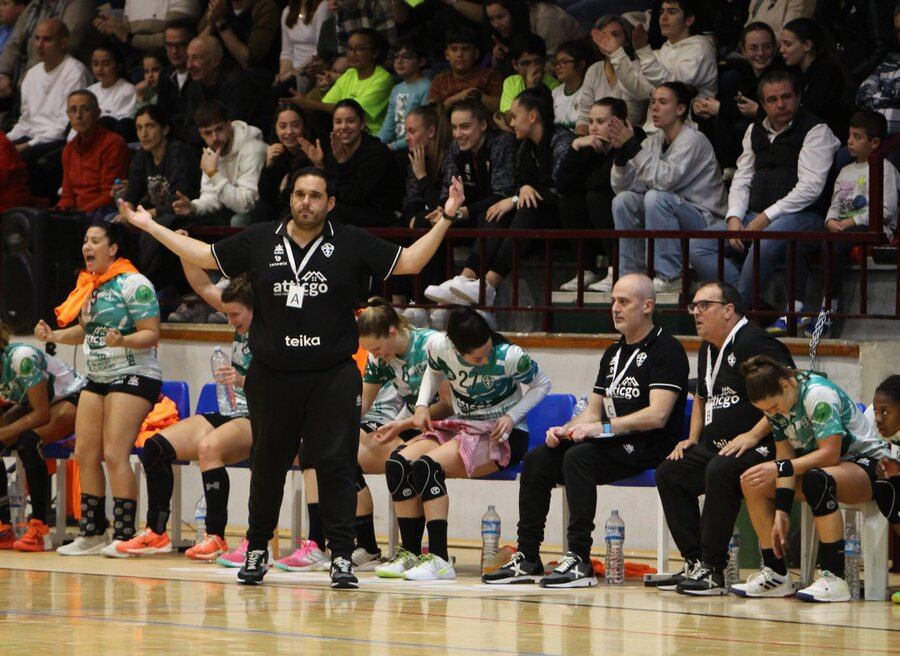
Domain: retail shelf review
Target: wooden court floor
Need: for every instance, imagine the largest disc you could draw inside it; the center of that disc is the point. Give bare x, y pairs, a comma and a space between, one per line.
169, 605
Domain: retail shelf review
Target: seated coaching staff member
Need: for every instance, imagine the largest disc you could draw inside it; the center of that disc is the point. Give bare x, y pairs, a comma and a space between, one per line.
307, 274
728, 436
640, 389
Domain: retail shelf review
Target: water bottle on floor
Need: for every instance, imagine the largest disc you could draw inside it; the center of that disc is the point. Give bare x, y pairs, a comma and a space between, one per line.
200, 519
615, 552
733, 568
224, 391
17, 506
852, 553
490, 537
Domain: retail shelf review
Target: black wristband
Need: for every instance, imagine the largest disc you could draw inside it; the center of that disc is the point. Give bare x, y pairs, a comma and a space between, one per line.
450, 217
784, 499
785, 468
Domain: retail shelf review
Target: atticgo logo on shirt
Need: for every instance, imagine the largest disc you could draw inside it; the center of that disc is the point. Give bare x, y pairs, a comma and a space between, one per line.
314, 283
302, 341
628, 389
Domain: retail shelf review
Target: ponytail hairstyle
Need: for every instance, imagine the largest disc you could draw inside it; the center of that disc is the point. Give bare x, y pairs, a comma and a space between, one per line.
6, 334
377, 317
540, 100
684, 94
889, 387
239, 291
468, 330
763, 376
434, 117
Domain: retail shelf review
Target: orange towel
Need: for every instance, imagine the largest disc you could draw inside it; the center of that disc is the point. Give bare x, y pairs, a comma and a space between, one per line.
69, 309
361, 357
163, 414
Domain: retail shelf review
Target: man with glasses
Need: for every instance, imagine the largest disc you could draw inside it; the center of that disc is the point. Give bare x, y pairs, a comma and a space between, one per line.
728, 435
529, 57
175, 81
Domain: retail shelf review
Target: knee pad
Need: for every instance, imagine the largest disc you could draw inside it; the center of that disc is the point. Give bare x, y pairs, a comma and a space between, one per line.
158, 451
820, 491
359, 479
428, 479
397, 473
887, 496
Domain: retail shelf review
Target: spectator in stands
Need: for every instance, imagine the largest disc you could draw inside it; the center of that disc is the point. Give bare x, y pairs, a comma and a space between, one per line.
736, 106
670, 181
301, 28
512, 18
366, 81
683, 57
13, 176
175, 82
45, 90
142, 24
367, 185
146, 91
529, 58
353, 15
824, 84
93, 160
584, 186
20, 54
484, 159
10, 10
162, 168
610, 34
641, 389
881, 90
778, 13
409, 60
780, 176
465, 79
284, 156
247, 30
232, 161
570, 64
860, 30
536, 205
115, 94
428, 140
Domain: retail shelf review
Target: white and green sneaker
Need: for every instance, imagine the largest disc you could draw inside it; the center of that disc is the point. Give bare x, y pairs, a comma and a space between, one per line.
395, 568
430, 568
85, 545
828, 588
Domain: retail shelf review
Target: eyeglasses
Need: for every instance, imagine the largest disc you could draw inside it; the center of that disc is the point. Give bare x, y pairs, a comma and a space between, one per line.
702, 306
358, 49
559, 63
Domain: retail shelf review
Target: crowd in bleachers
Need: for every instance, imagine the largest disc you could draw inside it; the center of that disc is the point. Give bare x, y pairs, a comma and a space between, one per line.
613, 114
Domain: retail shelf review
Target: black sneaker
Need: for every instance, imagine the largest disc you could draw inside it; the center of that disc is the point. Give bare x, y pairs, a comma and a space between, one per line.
669, 584
342, 577
703, 581
517, 570
256, 564
572, 572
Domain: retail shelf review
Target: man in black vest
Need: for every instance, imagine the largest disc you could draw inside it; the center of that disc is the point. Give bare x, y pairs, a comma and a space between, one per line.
781, 174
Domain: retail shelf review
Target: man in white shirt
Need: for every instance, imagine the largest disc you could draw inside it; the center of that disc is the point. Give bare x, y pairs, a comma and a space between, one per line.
781, 175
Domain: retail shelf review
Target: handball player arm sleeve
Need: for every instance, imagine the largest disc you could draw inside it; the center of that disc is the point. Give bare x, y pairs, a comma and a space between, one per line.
538, 388
430, 383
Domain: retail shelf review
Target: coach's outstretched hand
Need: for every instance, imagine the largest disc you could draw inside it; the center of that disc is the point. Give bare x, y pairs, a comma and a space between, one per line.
139, 218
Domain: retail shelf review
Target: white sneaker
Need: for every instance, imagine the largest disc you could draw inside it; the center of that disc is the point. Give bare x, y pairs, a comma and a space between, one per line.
604, 285
765, 583
572, 286
827, 588
467, 290
394, 569
430, 568
363, 561
110, 551
663, 286
85, 545
442, 294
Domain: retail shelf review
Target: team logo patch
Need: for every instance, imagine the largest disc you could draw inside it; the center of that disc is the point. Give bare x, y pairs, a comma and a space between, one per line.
763, 451
822, 412
358, 400
629, 448
278, 250
525, 364
731, 360
26, 366
143, 294
641, 358
327, 249
435, 490
133, 381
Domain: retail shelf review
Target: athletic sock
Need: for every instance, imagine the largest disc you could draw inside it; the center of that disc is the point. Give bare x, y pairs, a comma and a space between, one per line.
29, 449
411, 531
93, 515
773, 562
5, 516
315, 525
831, 557
123, 518
365, 533
437, 538
216, 487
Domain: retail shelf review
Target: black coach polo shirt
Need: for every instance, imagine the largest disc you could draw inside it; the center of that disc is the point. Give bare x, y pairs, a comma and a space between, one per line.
728, 411
656, 362
322, 333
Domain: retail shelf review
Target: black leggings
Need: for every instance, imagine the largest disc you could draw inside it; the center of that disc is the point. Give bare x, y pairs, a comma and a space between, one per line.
498, 251
592, 210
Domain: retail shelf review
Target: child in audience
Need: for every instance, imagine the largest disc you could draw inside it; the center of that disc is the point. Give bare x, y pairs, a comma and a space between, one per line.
145, 90
409, 59
465, 79
570, 64
114, 93
529, 57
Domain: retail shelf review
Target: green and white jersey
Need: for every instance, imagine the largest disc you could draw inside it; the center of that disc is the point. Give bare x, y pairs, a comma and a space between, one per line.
387, 406
406, 371
824, 409
487, 391
240, 360
120, 304
22, 367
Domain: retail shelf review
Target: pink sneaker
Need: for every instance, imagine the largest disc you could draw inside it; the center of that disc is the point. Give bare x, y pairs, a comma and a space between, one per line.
306, 557
236, 557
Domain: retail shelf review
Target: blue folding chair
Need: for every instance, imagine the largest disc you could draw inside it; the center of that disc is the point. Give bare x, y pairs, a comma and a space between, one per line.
180, 393
207, 401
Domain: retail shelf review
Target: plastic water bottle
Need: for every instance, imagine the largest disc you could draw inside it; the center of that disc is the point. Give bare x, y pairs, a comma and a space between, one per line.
118, 190
17, 507
490, 537
580, 406
615, 552
224, 391
852, 553
200, 519
733, 568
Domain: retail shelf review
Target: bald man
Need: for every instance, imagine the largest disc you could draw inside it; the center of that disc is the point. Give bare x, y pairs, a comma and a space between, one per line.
632, 421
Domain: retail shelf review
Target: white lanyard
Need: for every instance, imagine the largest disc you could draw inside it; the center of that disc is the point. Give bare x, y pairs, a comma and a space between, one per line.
712, 374
290, 255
